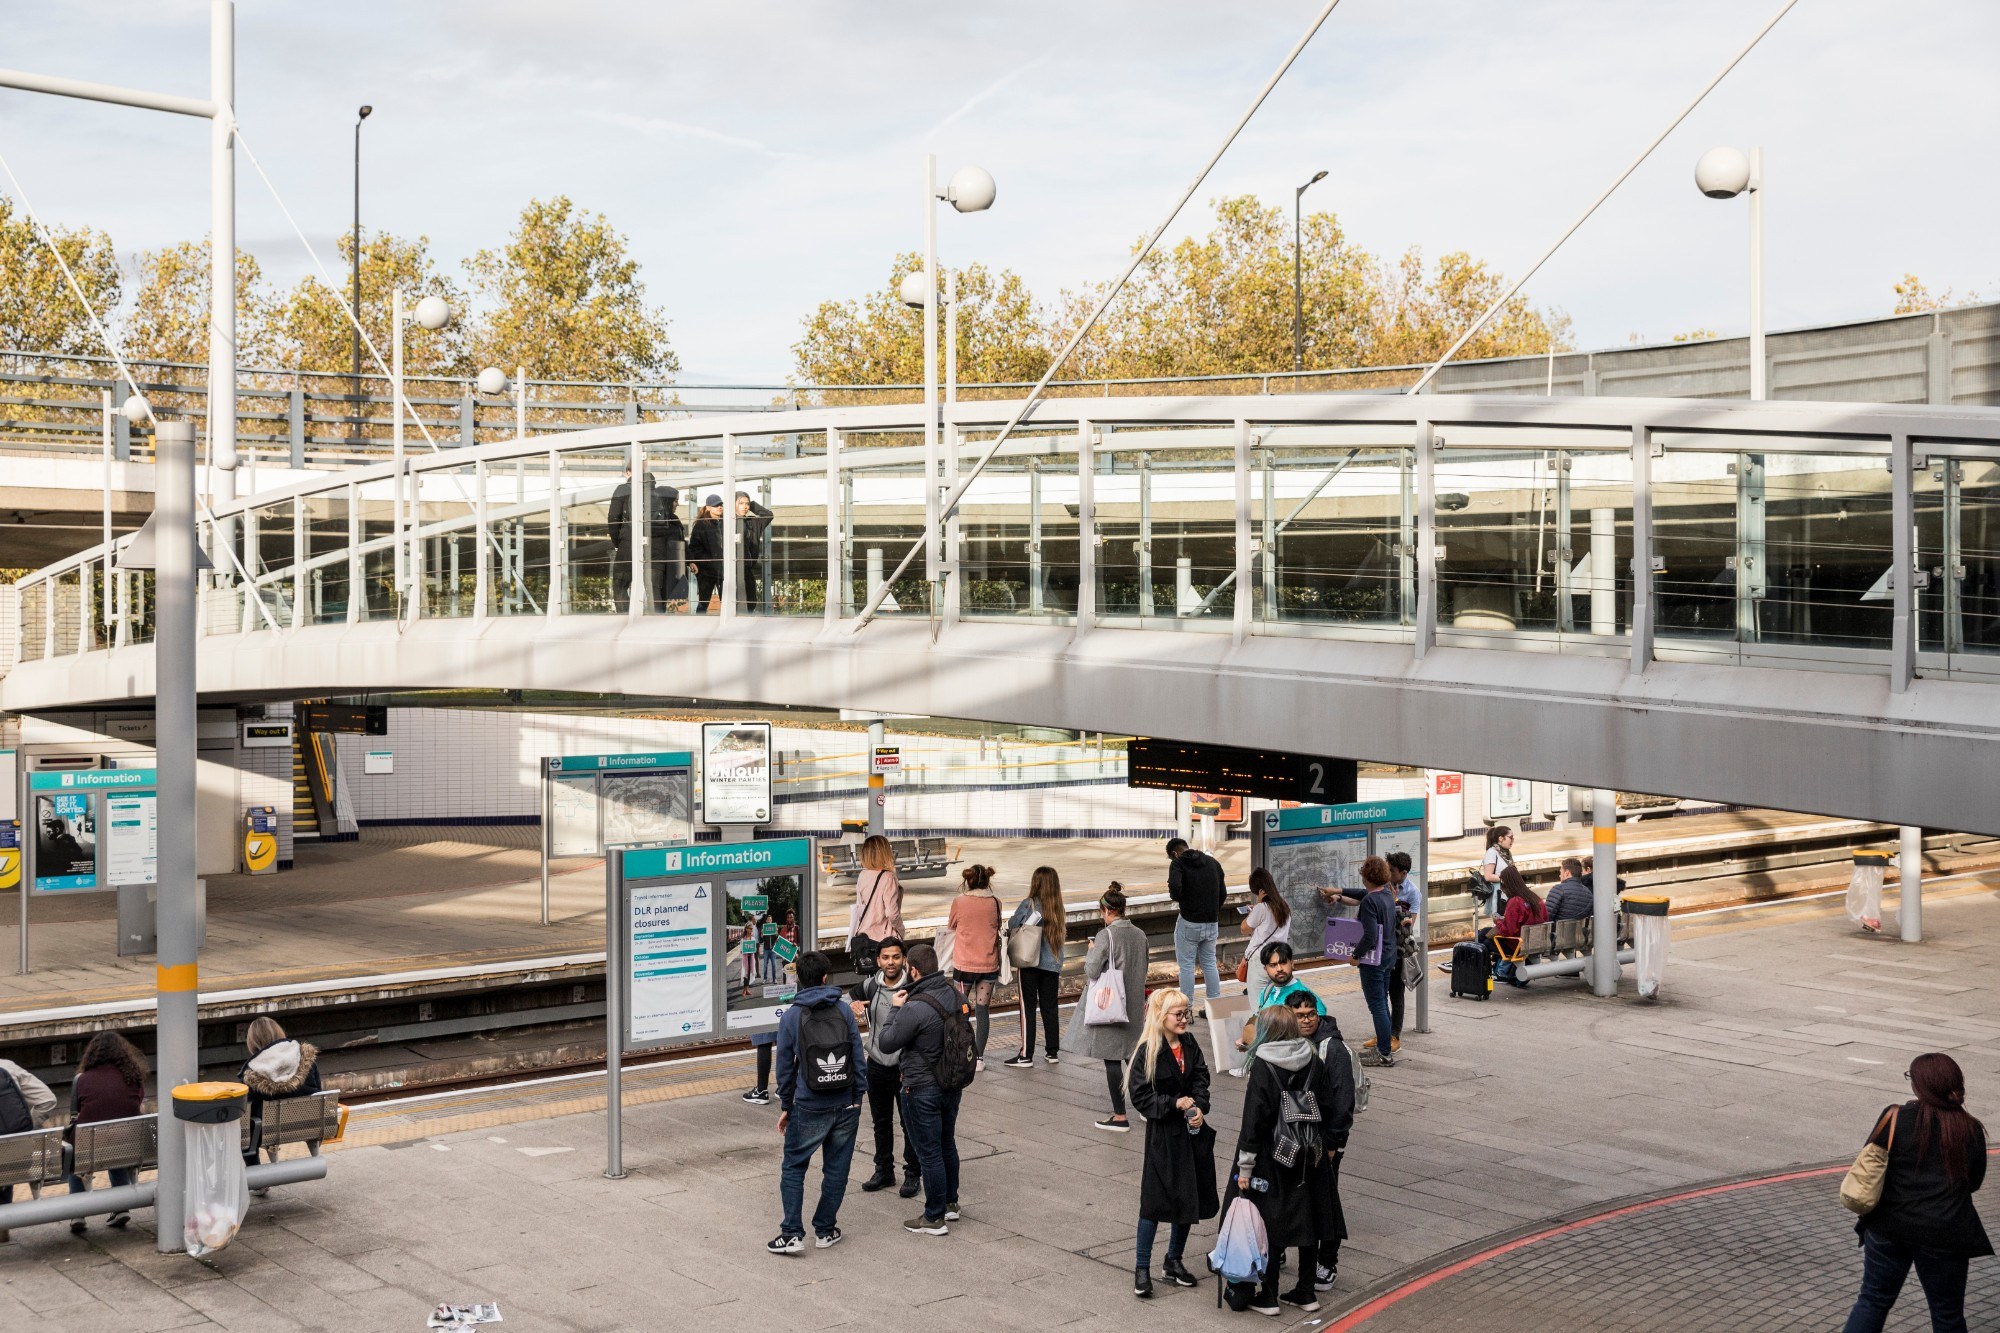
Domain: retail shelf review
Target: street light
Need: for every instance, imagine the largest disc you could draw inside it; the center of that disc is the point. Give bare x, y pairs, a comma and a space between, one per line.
1298, 278
1724, 173
360, 116
432, 313
970, 190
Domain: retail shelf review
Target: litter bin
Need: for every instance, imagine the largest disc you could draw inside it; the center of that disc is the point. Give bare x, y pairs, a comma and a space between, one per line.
217, 1194
1864, 890
1648, 916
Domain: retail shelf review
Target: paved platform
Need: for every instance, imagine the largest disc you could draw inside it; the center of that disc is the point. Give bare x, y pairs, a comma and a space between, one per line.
1780, 1035
407, 898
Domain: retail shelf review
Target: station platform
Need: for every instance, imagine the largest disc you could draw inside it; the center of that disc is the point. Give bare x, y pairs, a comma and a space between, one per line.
1780, 1034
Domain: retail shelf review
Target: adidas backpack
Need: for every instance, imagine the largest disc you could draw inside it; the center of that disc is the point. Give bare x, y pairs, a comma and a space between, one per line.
826, 1050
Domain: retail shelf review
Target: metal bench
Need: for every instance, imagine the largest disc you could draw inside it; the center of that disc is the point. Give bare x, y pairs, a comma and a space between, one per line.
33, 1158
100, 1146
916, 858
309, 1120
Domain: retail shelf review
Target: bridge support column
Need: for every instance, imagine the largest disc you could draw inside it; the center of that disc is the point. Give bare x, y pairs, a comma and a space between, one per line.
1604, 893
1910, 871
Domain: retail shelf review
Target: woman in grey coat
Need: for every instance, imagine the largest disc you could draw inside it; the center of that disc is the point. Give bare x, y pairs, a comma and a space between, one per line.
1121, 945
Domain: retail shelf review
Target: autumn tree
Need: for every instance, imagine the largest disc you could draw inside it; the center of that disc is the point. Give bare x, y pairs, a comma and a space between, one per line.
310, 329
169, 316
1424, 311
38, 312
1913, 298
564, 298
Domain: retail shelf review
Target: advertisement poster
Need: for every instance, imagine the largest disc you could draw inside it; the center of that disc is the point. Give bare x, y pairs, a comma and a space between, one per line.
764, 946
672, 952
132, 839
736, 773
65, 842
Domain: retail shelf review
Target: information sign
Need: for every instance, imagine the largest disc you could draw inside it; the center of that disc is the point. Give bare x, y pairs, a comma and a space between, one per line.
887, 758
672, 952
736, 773
70, 842
132, 839
1225, 770
267, 735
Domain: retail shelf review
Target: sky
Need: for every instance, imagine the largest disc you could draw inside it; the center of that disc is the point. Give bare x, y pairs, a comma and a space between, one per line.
765, 156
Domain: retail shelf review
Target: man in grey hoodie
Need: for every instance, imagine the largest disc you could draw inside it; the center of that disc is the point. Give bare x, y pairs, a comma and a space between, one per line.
875, 1000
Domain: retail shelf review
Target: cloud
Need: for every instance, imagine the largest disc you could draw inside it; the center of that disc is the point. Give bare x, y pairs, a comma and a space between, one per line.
653, 125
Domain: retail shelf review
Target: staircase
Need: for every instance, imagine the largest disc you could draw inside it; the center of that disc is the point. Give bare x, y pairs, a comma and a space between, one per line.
305, 813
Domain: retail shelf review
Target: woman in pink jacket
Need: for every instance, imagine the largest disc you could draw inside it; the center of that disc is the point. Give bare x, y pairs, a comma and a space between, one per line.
878, 894
974, 922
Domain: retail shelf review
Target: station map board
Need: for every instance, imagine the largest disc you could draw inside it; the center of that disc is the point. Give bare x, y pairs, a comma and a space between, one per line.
1310, 848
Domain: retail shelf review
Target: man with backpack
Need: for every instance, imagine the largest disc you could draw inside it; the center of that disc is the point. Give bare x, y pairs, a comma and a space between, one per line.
875, 1000
932, 1027
820, 1086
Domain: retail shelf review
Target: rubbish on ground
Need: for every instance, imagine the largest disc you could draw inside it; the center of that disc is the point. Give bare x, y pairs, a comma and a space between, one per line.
464, 1316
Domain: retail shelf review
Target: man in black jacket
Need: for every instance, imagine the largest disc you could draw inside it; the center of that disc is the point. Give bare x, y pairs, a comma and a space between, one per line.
1195, 882
930, 1114
664, 540
753, 523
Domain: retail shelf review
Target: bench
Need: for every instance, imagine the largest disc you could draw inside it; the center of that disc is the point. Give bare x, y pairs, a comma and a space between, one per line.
1557, 941
309, 1120
916, 858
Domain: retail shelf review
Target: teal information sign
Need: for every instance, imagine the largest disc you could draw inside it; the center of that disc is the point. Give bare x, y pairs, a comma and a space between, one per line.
726, 858
600, 763
1335, 816
93, 828
94, 779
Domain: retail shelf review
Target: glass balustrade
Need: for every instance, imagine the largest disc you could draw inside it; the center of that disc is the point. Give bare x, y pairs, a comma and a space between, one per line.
517, 523
1018, 527
376, 562
1958, 562
882, 517
1334, 521
329, 540
443, 540
1164, 499
269, 558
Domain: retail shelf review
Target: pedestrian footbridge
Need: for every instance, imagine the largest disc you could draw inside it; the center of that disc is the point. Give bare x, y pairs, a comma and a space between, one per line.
1790, 604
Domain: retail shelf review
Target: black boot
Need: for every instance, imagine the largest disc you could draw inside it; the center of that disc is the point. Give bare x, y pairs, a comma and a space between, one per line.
1174, 1271
912, 1182
1142, 1284
881, 1180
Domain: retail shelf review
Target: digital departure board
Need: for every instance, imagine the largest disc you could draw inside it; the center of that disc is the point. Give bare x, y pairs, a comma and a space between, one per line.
1226, 770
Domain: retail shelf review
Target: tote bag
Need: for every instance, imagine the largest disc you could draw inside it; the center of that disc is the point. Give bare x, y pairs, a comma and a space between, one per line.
1862, 1188
1024, 945
1104, 1002
943, 942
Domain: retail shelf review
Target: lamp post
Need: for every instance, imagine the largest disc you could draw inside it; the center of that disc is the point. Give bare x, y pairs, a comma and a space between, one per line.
1298, 276
433, 314
355, 339
1724, 173
970, 190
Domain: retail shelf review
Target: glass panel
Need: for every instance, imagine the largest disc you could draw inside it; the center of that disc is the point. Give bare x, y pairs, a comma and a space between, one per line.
222, 599
377, 503
1018, 527
326, 553
792, 564
268, 546
517, 513
141, 582
446, 540
34, 625
676, 470
883, 508
589, 481
1694, 545
1339, 518
1165, 503
1958, 544
67, 589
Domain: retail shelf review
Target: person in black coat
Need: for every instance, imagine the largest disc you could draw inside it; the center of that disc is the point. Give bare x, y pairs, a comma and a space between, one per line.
1925, 1218
704, 552
1168, 1087
1295, 1197
1324, 1033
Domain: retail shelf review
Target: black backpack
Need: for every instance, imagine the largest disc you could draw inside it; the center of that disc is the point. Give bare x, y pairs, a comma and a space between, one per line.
15, 1117
958, 1057
826, 1051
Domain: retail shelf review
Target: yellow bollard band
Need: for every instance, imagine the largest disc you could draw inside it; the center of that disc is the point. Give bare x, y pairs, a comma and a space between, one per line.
179, 977
1604, 834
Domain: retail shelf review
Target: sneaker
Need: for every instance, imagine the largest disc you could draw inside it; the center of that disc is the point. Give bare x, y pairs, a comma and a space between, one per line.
951, 1211
783, 1244
1113, 1125
979, 1065
911, 1184
1176, 1272
119, 1219
1142, 1284
255, 1194
77, 1227
1323, 1278
1376, 1060
1052, 1059
758, 1096
826, 1240
881, 1180
1301, 1296
1022, 1061
923, 1226
1264, 1305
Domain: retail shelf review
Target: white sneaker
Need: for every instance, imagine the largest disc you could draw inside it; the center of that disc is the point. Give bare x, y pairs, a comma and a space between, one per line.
786, 1245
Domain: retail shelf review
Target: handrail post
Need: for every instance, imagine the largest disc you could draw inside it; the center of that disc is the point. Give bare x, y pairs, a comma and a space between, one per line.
836, 585
1086, 527
730, 536
1903, 563
1425, 631
482, 561
1642, 548
1245, 543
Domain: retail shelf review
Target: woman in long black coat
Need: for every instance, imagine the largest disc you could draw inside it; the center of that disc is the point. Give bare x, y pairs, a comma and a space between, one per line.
1298, 1201
1168, 1085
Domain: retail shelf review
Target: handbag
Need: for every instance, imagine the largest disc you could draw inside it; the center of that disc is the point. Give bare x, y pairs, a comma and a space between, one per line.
1243, 969
1861, 1190
862, 947
944, 941
1104, 1003
1024, 945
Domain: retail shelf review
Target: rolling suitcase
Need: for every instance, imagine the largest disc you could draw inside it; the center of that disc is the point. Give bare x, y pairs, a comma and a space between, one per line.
1470, 975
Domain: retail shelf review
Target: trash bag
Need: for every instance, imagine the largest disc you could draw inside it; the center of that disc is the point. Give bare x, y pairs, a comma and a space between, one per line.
1242, 1246
217, 1194
1864, 891
1647, 915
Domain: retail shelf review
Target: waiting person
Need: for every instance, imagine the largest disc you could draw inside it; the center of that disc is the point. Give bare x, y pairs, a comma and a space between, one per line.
1281, 1154
1195, 883
1042, 907
764, 1044
664, 541
25, 1104
1499, 853
1571, 900
1925, 1219
1121, 945
875, 1000
1409, 950
753, 522
1270, 920
1280, 987
1378, 940
974, 922
110, 1084
1524, 909
1169, 1087
1589, 875
930, 1112
820, 1085
704, 553
878, 894
278, 1068
1324, 1034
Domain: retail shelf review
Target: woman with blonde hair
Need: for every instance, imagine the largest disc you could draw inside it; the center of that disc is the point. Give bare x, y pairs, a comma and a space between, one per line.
974, 923
878, 901
1042, 912
1168, 1085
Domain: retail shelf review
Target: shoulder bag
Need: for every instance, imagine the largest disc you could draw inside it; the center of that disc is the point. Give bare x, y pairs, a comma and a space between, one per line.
1024, 944
1862, 1188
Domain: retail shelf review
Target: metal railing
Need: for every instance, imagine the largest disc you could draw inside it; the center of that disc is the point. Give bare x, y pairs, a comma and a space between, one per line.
1754, 534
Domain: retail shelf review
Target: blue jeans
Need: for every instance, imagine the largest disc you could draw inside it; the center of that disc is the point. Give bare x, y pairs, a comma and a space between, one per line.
831, 1134
1884, 1266
1177, 1238
1375, 983
930, 1116
1194, 942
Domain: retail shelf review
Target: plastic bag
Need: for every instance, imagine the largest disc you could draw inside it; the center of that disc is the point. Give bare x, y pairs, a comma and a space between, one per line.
944, 941
1649, 953
1864, 892
217, 1194
1242, 1246
1104, 1002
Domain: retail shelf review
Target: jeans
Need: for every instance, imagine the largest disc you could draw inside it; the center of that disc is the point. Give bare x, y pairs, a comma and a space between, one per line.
1038, 991
884, 1083
1194, 942
120, 1176
830, 1134
1375, 983
1177, 1239
1884, 1266
930, 1116
765, 1050
1114, 1078
1308, 1261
